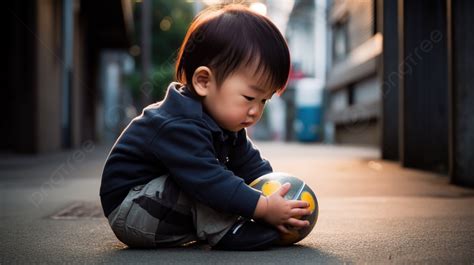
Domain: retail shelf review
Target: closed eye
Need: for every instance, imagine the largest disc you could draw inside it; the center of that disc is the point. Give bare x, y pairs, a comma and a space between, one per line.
249, 98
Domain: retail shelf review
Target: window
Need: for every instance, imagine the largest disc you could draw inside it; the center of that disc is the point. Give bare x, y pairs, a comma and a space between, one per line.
340, 41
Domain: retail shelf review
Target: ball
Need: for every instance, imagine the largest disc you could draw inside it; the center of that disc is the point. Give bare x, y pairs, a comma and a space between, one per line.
299, 190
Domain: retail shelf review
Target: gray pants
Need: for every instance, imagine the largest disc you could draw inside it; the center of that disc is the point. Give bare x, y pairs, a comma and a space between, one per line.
158, 214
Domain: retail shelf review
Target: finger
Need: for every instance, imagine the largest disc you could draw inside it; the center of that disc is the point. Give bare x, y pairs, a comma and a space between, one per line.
299, 204
284, 189
283, 229
300, 211
297, 223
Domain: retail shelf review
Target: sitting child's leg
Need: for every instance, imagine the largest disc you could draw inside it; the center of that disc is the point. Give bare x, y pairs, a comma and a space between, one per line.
158, 214
154, 215
229, 232
211, 225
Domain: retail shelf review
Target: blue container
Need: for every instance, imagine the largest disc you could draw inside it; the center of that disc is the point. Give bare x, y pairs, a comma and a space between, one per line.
308, 101
308, 123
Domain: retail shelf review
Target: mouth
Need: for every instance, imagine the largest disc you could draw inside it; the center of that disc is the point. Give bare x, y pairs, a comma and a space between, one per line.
246, 124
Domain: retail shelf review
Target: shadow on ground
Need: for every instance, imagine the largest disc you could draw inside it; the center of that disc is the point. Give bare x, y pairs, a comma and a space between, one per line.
202, 254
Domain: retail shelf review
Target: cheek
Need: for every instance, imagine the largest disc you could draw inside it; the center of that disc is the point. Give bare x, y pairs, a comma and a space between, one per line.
237, 113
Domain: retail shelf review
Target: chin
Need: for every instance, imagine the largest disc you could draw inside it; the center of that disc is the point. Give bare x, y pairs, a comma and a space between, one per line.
237, 129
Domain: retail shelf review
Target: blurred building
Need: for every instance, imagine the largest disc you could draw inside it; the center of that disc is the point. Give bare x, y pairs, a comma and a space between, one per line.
278, 111
52, 89
399, 78
353, 85
306, 34
427, 86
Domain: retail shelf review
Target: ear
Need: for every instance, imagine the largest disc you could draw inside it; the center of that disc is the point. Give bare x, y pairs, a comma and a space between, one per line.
203, 79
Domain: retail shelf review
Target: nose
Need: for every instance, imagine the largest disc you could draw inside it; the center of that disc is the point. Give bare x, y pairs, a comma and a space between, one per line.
255, 111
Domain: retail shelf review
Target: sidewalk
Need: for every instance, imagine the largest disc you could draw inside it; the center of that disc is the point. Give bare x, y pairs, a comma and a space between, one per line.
371, 211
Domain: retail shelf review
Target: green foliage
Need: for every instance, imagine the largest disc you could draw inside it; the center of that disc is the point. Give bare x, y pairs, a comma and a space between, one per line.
170, 20
161, 78
133, 82
166, 42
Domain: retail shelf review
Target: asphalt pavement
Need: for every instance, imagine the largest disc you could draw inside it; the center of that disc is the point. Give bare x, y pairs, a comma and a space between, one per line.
371, 211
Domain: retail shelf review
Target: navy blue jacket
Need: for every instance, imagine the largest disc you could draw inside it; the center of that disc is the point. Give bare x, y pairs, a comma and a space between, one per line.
176, 137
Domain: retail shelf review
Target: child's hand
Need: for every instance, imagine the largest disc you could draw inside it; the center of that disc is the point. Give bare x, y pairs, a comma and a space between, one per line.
280, 212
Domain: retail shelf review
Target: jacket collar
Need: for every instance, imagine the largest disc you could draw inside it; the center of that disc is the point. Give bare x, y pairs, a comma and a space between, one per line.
180, 100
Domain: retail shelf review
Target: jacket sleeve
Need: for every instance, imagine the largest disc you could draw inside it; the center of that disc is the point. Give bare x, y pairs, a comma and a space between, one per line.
185, 147
246, 161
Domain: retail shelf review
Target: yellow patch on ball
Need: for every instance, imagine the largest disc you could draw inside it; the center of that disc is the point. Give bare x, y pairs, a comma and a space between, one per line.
307, 197
270, 187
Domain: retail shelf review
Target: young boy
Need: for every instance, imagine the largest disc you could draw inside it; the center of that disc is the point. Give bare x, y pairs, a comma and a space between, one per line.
179, 171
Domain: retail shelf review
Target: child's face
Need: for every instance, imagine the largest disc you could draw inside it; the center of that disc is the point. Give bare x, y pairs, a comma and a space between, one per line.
239, 102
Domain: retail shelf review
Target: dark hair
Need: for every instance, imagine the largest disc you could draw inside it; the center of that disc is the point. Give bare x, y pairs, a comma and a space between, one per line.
231, 37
